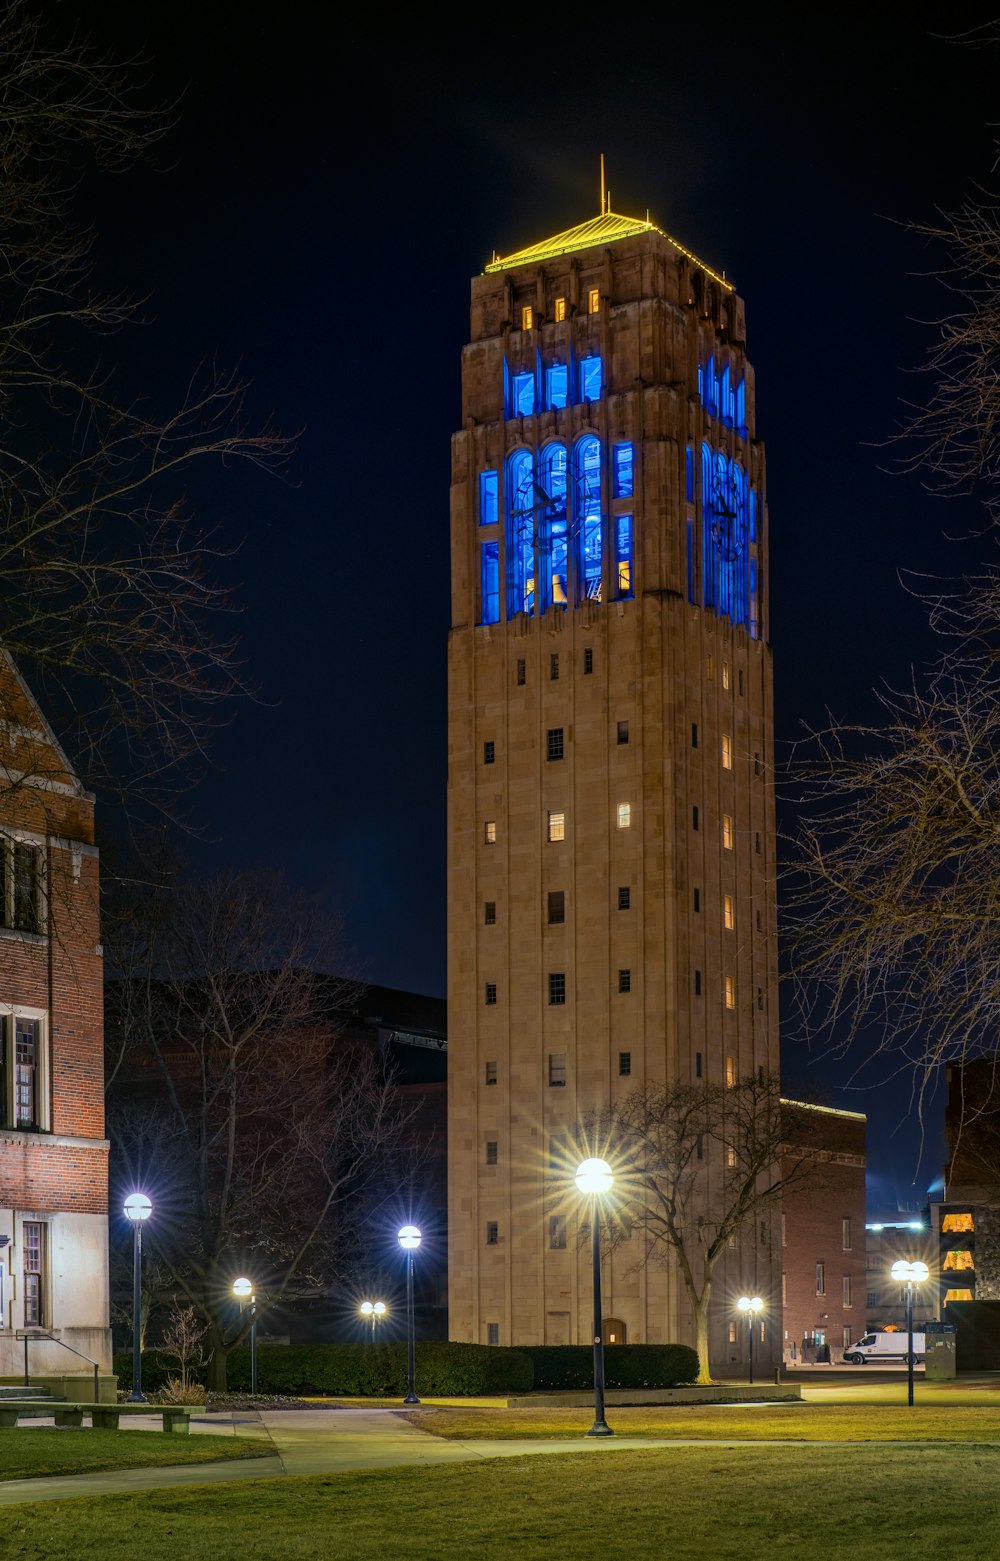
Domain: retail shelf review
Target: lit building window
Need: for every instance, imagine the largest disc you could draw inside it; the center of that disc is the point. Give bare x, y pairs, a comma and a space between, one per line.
729, 914
490, 832
591, 379
958, 1223
730, 1155
556, 386
622, 471
594, 300
489, 498
587, 515
725, 674
727, 752
624, 815
527, 318
727, 831
33, 1243
489, 582
559, 312
730, 1072
957, 1262
523, 394
557, 826
730, 990
732, 1334
957, 1295
623, 555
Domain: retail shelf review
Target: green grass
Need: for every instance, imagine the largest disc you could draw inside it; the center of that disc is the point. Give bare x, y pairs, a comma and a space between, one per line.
773, 1422
687, 1504
28, 1452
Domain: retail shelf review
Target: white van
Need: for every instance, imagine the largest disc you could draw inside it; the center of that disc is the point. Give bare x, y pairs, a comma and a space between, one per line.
884, 1346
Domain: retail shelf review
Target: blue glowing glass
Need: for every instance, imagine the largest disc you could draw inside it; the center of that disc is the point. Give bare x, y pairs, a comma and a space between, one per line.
553, 537
727, 566
556, 386
752, 513
524, 395
521, 508
490, 582
623, 469
741, 407
590, 379
623, 555
587, 518
726, 398
489, 498
709, 387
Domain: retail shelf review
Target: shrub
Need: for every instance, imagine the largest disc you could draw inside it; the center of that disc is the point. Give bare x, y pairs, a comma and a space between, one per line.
176, 1391
380, 1370
571, 1366
157, 1366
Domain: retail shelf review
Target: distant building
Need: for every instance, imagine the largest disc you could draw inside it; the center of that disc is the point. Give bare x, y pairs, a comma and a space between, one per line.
822, 1232
967, 1220
611, 841
889, 1241
53, 1153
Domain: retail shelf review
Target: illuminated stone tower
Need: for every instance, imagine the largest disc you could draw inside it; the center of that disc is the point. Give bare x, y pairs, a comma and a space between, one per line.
611, 820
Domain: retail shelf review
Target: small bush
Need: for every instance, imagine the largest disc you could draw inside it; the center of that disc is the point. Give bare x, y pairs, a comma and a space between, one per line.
380, 1370
157, 1366
571, 1366
176, 1391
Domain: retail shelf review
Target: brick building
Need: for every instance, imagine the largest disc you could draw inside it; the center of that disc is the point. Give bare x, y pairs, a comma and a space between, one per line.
823, 1279
611, 819
53, 1153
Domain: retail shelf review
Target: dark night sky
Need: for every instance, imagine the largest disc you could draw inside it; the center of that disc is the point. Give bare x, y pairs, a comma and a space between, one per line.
316, 217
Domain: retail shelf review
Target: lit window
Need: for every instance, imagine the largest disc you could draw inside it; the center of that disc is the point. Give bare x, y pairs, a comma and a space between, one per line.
622, 732
491, 1073
958, 1222
594, 300
492, 1233
556, 386
729, 915
732, 1334
33, 1242
555, 744
725, 674
624, 815
846, 1230
727, 752
847, 1290
490, 912
624, 980
727, 831
524, 394
557, 907
821, 1279
489, 753
557, 1069
730, 990
493, 1333
490, 832
559, 310
730, 1156
489, 582
557, 1232
590, 379
491, 1151
622, 472
557, 826
23, 1064
623, 554
957, 1295
491, 994
956, 1262
527, 318
557, 990
624, 1064
730, 1072
489, 498
625, 898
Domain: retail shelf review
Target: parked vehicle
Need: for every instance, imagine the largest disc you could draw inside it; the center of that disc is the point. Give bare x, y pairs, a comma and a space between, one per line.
884, 1346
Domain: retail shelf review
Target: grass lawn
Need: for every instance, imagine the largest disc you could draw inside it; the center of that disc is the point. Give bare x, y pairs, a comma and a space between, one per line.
774, 1422
687, 1504
28, 1452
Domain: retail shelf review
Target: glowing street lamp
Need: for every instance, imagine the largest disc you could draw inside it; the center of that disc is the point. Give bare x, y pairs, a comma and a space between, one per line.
409, 1240
751, 1306
375, 1310
241, 1289
594, 1178
909, 1274
137, 1210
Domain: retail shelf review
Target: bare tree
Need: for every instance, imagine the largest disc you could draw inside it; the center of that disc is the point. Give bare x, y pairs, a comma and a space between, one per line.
109, 597
266, 1136
701, 1163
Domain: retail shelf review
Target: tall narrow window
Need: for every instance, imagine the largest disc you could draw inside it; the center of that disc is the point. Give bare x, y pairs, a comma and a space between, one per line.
727, 751
731, 1156
622, 471
821, 1279
624, 815
33, 1238
593, 300
689, 474
555, 745
696, 897
624, 980
557, 826
697, 984
725, 674
557, 1069
554, 665
491, 1073
557, 907
559, 309
491, 1151
521, 507
524, 394
694, 734
729, 988
26, 1071
557, 989
587, 517
590, 379
728, 912
697, 1065
493, 1333
490, 832
527, 318
489, 912
625, 898
489, 584
847, 1301
623, 554
521, 673
489, 498
489, 752
19, 882
588, 660
492, 1233
624, 1064
556, 386
846, 1234
756, 842
727, 831
552, 537
622, 732
557, 1232
491, 994
694, 816
730, 1072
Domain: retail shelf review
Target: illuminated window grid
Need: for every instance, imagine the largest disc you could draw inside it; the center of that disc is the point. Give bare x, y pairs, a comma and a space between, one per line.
728, 912
624, 815
727, 752
557, 826
727, 831
559, 309
729, 987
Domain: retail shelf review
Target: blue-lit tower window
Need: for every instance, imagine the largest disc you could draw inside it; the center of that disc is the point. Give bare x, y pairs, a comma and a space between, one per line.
725, 398
553, 539
741, 408
521, 510
489, 583
556, 386
622, 471
726, 540
523, 394
587, 517
623, 556
590, 379
489, 498
708, 386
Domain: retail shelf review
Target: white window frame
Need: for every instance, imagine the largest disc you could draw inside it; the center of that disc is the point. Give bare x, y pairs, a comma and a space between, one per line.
624, 815
9, 1013
557, 825
9, 838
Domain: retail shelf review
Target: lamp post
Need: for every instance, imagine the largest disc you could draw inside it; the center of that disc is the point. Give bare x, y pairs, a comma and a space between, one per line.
241, 1289
409, 1240
375, 1310
137, 1210
594, 1178
909, 1274
750, 1306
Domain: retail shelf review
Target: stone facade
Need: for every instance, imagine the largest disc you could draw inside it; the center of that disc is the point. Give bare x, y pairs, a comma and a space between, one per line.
640, 946
53, 1153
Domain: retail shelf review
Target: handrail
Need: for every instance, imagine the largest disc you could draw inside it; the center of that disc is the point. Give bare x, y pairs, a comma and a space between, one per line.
42, 1334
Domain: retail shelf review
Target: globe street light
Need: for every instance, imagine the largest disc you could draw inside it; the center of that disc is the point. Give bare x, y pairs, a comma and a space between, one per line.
594, 1178
409, 1240
241, 1289
909, 1274
137, 1209
375, 1310
751, 1306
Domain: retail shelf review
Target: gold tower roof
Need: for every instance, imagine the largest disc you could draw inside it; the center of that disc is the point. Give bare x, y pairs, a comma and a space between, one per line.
606, 229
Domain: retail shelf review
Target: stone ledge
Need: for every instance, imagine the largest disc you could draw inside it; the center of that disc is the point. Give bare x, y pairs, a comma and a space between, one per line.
712, 1393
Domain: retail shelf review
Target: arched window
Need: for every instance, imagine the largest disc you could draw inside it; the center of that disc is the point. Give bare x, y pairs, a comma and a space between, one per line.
552, 537
520, 507
587, 527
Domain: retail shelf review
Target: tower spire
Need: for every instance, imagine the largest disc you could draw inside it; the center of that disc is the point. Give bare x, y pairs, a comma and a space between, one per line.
604, 200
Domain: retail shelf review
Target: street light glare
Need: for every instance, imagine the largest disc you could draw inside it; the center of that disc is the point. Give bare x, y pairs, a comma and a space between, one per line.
750, 1303
366, 1308
905, 1272
137, 1207
409, 1238
242, 1287
594, 1176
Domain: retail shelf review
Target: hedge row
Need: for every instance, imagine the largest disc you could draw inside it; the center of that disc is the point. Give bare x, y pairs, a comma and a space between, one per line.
380, 1370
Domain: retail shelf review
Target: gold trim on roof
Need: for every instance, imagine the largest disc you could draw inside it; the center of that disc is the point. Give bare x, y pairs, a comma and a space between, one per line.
830, 1111
606, 229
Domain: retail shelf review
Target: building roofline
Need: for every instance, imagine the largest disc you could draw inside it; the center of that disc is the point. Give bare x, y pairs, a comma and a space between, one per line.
830, 1111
